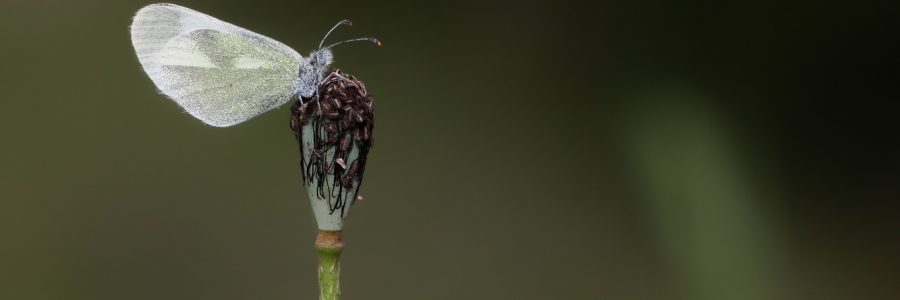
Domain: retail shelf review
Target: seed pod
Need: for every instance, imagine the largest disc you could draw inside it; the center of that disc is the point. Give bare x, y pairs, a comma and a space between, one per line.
335, 134
329, 127
336, 103
352, 171
345, 143
348, 116
346, 182
333, 114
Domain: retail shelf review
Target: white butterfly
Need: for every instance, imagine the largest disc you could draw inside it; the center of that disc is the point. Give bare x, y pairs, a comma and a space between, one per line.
218, 72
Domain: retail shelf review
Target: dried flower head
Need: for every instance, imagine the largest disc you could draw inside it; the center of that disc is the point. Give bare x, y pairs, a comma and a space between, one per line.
334, 130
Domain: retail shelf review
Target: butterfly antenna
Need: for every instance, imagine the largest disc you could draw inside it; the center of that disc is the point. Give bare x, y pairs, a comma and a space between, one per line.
374, 40
344, 22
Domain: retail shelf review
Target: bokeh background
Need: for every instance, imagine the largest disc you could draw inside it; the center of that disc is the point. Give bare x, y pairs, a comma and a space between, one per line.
525, 150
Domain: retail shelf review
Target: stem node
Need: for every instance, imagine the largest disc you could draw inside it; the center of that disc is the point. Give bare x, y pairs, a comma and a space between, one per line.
329, 245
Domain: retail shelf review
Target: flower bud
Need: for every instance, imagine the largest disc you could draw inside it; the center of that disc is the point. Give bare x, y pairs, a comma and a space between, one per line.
334, 129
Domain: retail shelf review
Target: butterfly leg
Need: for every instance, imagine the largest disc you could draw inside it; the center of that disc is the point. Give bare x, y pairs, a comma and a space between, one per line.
318, 102
341, 76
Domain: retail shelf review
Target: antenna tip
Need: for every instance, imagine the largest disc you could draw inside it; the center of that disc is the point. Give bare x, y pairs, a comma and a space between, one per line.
347, 22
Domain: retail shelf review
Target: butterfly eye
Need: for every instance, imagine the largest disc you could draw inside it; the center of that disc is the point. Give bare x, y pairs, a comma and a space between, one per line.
317, 58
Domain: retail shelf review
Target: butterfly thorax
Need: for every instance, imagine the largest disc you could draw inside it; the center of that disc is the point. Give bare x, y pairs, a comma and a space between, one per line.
313, 70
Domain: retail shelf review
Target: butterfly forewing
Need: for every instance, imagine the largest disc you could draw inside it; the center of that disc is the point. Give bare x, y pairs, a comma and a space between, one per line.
220, 73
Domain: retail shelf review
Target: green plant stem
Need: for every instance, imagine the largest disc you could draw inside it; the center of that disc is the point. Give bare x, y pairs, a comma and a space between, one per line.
329, 245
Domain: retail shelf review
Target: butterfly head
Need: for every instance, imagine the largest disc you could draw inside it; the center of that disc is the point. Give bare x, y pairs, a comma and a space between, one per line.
321, 59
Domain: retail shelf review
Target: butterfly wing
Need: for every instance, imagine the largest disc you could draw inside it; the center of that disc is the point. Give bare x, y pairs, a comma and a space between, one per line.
218, 72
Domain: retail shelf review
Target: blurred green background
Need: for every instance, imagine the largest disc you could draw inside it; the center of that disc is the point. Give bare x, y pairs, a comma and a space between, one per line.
525, 150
